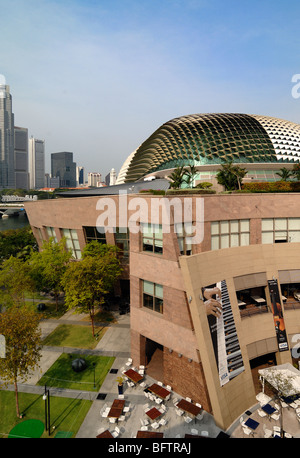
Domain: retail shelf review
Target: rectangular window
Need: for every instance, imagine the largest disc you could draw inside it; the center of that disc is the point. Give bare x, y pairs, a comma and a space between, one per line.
153, 296
72, 241
91, 233
122, 242
184, 233
152, 238
231, 233
280, 230
51, 233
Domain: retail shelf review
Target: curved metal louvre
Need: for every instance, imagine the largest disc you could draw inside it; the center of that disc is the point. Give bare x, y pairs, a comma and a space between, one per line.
203, 139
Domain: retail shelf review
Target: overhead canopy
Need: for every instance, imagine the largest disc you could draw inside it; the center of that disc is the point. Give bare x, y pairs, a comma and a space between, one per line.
285, 378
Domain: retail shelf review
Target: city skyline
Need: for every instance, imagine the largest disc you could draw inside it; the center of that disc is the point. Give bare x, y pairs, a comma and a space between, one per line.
98, 78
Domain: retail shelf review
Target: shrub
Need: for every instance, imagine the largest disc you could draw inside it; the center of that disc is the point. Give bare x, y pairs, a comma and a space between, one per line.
272, 186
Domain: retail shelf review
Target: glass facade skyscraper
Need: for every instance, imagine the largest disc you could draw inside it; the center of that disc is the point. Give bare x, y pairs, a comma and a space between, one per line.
7, 166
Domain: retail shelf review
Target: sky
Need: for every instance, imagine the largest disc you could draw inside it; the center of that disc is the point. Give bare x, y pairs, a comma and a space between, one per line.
98, 77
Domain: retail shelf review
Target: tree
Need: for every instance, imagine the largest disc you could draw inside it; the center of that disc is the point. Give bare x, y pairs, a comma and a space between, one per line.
49, 265
20, 327
285, 174
177, 177
15, 280
17, 242
87, 281
231, 176
296, 171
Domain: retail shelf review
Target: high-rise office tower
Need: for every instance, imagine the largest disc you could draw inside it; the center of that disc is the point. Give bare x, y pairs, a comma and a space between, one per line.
7, 166
62, 166
21, 158
94, 179
36, 163
79, 175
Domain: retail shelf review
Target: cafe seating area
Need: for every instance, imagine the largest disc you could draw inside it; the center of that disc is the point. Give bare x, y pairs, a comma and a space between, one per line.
148, 408
264, 419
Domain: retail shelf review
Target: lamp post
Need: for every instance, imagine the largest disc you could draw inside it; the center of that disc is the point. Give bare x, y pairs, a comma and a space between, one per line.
46, 398
94, 366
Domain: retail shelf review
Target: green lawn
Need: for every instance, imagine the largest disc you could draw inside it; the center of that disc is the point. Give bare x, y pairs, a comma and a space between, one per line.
65, 414
78, 336
62, 375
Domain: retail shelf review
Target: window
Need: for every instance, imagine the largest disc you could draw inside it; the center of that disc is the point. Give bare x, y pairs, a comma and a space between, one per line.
280, 230
153, 296
92, 233
231, 233
152, 238
72, 242
122, 241
184, 233
51, 233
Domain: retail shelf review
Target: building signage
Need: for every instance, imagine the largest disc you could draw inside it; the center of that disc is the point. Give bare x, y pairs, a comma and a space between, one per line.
277, 315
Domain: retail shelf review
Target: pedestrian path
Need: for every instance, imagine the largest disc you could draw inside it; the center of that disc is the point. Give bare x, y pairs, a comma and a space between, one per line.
115, 342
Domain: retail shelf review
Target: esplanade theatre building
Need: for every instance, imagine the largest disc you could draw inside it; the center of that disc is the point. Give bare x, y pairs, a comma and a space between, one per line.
213, 287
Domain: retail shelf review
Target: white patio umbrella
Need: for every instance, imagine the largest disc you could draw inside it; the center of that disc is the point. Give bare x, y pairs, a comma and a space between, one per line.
285, 378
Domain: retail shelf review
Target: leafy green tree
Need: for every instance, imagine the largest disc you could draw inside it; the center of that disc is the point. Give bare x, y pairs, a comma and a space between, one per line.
48, 266
285, 174
20, 328
15, 280
231, 176
18, 243
87, 281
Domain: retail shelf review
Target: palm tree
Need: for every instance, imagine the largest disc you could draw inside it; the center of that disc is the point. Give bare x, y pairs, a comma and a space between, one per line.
190, 175
285, 174
177, 177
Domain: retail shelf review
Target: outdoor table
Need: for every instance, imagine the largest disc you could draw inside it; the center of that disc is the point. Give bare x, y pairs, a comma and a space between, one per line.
189, 407
151, 434
116, 408
159, 390
268, 409
253, 424
105, 435
153, 413
133, 375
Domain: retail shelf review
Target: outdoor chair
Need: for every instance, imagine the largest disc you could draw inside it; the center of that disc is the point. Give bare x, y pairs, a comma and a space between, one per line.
268, 433
162, 421
188, 419
126, 409
275, 416
169, 387
144, 428
261, 413
160, 383
158, 400
121, 418
179, 412
198, 405
155, 425
204, 433
194, 432
112, 420
116, 432
188, 399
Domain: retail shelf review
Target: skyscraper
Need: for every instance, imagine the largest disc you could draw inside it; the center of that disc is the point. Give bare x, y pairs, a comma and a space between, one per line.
36, 163
62, 166
7, 166
21, 157
79, 175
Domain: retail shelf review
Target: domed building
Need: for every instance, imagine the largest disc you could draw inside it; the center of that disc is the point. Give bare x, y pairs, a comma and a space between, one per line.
262, 144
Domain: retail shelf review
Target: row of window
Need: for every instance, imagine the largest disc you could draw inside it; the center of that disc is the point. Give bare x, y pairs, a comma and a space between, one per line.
224, 234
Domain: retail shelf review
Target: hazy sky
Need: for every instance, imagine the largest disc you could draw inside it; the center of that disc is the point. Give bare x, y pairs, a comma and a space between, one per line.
97, 77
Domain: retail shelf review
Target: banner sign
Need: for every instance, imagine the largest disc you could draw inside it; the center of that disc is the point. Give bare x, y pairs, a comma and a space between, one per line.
223, 331
278, 316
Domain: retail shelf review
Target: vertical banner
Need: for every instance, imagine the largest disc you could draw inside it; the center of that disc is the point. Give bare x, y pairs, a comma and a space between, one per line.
278, 316
223, 331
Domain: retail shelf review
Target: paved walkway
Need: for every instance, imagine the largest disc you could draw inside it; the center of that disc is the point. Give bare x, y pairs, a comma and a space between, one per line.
115, 342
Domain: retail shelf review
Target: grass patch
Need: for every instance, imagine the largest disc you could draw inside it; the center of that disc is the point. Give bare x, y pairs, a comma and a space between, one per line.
61, 374
65, 414
68, 335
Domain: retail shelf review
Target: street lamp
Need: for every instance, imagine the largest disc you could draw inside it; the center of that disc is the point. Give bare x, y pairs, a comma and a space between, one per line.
94, 366
46, 398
